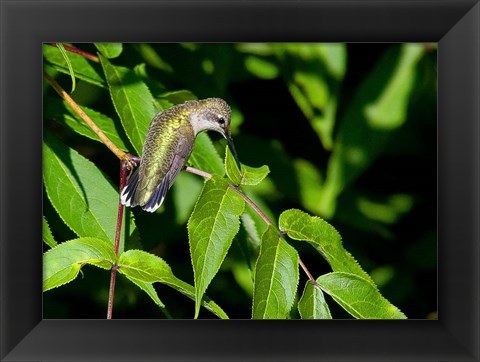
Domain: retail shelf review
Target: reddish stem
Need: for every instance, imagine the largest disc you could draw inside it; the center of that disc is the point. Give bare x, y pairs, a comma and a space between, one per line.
79, 52
252, 204
124, 165
111, 292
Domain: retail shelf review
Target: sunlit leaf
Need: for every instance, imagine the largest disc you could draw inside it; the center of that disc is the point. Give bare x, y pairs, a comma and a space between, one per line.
69, 64
81, 194
309, 181
132, 100
147, 288
323, 237
47, 234
83, 68
211, 229
248, 175
140, 266
109, 50
276, 277
261, 68
62, 263
312, 304
358, 296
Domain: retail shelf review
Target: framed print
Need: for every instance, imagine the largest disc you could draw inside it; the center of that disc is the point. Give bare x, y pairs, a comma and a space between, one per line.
389, 128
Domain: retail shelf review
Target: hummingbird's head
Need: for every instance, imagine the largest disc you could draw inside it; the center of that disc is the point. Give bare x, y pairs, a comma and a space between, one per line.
211, 114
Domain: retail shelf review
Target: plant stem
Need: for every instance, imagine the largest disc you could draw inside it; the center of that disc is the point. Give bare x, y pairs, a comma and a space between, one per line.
111, 292
123, 180
124, 167
251, 203
76, 108
198, 172
309, 275
79, 52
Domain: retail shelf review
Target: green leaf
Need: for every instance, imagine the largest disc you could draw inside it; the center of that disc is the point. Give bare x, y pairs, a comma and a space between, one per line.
62, 263
309, 181
324, 238
205, 157
140, 266
132, 100
261, 68
81, 66
47, 234
153, 59
189, 291
178, 96
378, 108
260, 49
248, 176
147, 288
109, 50
387, 211
276, 277
312, 304
389, 110
143, 266
358, 296
59, 111
69, 64
80, 193
211, 229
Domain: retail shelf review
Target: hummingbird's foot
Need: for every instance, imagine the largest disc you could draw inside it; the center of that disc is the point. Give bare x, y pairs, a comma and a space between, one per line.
131, 161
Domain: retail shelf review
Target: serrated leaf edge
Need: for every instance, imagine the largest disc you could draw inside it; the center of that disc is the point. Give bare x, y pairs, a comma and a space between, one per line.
305, 238
355, 276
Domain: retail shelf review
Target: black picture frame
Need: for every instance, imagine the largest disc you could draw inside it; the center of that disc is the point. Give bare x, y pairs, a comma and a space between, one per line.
454, 24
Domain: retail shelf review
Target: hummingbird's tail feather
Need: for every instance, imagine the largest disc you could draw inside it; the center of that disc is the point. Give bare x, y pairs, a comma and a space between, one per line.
127, 196
158, 196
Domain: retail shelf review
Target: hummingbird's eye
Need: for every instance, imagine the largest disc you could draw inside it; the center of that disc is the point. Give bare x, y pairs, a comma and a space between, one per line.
221, 120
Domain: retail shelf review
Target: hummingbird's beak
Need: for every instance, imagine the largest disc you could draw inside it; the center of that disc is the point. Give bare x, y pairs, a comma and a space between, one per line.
234, 151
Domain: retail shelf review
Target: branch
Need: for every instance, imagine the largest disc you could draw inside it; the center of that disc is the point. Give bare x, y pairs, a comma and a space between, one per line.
76, 108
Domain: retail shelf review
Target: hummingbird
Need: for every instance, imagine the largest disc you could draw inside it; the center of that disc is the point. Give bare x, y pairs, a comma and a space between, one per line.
168, 145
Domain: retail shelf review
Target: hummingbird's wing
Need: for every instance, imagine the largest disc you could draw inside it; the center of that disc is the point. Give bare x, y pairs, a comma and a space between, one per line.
180, 155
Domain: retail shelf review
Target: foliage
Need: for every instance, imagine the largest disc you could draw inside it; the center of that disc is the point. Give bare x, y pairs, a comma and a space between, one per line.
318, 137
